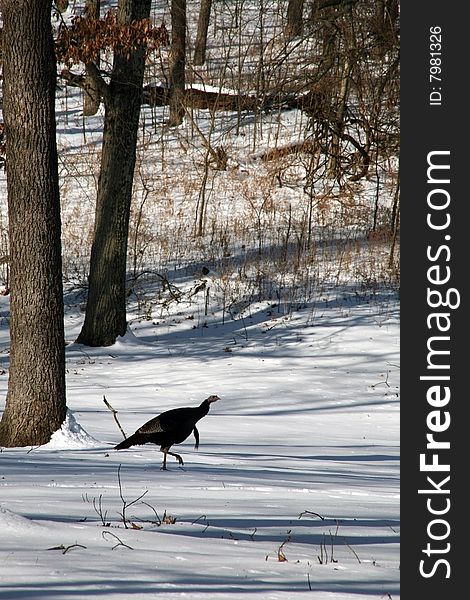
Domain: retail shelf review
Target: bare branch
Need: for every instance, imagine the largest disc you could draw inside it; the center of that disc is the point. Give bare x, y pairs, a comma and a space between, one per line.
104, 535
114, 411
65, 549
125, 504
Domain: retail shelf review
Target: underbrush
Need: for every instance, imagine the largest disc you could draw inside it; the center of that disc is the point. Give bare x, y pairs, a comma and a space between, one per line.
260, 239
255, 233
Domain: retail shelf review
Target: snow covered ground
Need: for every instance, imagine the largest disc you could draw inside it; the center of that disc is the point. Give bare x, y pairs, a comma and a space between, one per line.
293, 493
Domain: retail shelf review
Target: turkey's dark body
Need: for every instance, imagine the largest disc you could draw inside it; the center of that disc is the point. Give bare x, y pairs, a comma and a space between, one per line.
170, 427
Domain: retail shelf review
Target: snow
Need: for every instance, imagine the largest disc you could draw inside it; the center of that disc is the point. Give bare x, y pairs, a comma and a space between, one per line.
15, 524
299, 459
71, 435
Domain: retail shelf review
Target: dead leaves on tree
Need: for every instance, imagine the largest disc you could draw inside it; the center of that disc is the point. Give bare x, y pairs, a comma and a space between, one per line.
84, 38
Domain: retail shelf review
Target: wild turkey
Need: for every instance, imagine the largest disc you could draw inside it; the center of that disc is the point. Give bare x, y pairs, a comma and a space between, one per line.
170, 427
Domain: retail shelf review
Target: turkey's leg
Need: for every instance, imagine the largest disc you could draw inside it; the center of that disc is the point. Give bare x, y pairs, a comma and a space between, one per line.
167, 451
177, 456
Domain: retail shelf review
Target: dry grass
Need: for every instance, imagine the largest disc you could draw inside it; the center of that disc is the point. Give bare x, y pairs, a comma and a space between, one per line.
260, 242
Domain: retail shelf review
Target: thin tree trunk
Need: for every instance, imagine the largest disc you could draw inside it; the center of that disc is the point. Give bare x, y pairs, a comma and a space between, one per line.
380, 14
334, 159
295, 23
105, 317
178, 61
91, 92
35, 404
201, 36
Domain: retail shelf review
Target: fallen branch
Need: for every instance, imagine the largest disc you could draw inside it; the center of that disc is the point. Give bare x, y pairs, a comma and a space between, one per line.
114, 411
158, 95
295, 148
65, 549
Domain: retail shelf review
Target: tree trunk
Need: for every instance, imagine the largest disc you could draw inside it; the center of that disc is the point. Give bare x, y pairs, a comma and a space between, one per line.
201, 36
35, 404
334, 160
295, 10
91, 92
105, 317
178, 61
386, 15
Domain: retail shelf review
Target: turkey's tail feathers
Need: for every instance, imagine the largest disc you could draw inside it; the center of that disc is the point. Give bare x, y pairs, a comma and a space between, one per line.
135, 439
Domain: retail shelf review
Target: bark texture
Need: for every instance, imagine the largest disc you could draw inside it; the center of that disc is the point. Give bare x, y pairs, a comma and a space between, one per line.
295, 22
201, 36
35, 405
105, 318
91, 92
178, 61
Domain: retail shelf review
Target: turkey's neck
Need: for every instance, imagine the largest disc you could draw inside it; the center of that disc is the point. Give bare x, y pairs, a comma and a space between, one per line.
203, 409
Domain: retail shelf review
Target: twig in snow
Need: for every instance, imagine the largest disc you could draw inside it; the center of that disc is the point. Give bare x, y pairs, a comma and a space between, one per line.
309, 512
355, 553
98, 508
382, 382
206, 522
114, 411
333, 538
203, 517
281, 557
323, 560
125, 504
158, 521
65, 549
120, 542
168, 519
73, 546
